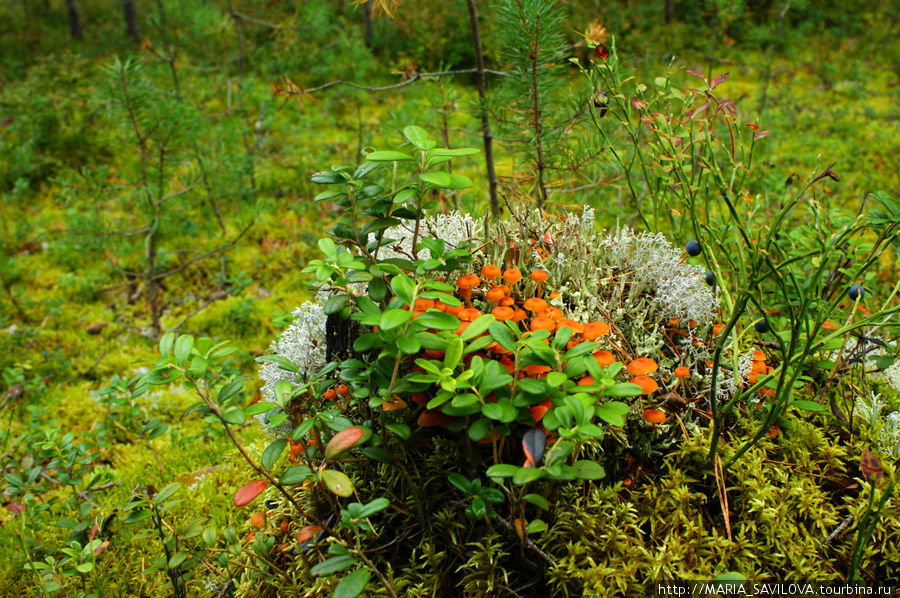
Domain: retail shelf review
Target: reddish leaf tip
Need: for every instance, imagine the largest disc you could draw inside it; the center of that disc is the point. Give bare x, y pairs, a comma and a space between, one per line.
248, 492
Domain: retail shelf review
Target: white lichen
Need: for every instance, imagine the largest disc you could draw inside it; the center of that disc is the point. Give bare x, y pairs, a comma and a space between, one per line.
678, 288
455, 229
303, 344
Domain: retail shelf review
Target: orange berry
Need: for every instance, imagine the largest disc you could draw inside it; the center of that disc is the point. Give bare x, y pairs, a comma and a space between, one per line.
574, 326
648, 385
538, 411
490, 271
654, 416
641, 365
542, 323
495, 294
423, 304
594, 330
540, 275
467, 281
258, 519
503, 313
512, 275
555, 314
454, 310
535, 304
536, 370
470, 314
604, 358
343, 390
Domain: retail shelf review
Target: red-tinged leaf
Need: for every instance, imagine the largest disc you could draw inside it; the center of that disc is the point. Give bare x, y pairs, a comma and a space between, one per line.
533, 443
727, 105
520, 526
699, 109
345, 440
101, 548
754, 127
718, 81
16, 507
761, 134
249, 491
601, 52
871, 468
696, 74
863, 310
638, 104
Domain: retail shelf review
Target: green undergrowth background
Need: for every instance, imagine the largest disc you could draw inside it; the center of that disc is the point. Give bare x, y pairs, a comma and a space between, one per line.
831, 97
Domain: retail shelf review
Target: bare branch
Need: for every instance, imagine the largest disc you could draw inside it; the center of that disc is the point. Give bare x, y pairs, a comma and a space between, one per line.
203, 256
412, 79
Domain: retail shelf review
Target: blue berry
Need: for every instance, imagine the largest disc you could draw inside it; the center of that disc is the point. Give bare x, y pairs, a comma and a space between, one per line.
692, 248
760, 326
710, 278
856, 292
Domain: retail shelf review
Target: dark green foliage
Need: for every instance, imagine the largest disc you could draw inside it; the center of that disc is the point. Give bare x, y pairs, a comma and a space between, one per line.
117, 486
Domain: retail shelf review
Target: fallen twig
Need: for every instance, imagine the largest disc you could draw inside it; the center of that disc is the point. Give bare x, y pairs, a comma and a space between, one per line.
527, 541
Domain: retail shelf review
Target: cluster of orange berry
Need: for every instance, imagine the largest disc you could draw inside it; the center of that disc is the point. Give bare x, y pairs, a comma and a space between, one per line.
505, 299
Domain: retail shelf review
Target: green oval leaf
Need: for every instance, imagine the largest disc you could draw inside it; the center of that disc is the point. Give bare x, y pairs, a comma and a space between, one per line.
337, 482
295, 475
537, 500
389, 156
501, 471
589, 470
527, 474
183, 347
437, 320
166, 343
333, 565
418, 137
446, 180
352, 585
272, 452
394, 318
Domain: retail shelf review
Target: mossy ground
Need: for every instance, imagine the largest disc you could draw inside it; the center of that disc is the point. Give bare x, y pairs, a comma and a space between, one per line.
829, 100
